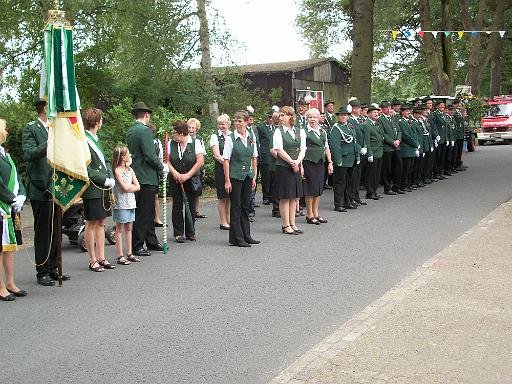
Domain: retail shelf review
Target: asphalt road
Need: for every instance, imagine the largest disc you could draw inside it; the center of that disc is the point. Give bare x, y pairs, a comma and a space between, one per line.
209, 313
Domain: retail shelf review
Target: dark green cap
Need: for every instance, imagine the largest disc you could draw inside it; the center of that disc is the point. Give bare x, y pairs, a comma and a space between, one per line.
343, 111
140, 106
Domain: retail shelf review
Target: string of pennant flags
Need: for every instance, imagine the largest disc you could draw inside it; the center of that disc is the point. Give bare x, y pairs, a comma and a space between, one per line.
421, 33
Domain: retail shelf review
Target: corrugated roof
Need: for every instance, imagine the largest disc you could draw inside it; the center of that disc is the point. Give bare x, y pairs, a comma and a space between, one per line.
286, 66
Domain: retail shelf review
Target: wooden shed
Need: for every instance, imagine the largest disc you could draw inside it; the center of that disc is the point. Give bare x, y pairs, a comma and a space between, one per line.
327, 75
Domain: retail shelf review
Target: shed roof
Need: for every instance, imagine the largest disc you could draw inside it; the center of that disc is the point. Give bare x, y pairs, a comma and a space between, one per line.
286, 66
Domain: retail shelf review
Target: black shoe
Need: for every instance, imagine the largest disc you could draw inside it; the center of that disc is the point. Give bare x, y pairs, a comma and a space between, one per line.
339, 209
326, 186
399, 191
242, 245
142, 252
360, 202
313, 220
224, 227
448, 174
276, 214
9, 297
250, 240
20, 293
159, 225
350, 206
379, 196
372, 197
191, 238
180, 239
158, 247
45, 281
390, 193
354, 202
256, 205
251, 219
266, 202
55, 276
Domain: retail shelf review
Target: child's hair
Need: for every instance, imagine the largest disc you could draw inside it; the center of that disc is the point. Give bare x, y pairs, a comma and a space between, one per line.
117, 156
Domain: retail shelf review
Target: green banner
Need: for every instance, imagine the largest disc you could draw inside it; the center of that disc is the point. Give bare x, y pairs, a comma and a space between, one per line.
66, 189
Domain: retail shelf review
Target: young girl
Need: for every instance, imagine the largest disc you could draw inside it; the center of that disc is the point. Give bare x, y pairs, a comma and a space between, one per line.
124, 206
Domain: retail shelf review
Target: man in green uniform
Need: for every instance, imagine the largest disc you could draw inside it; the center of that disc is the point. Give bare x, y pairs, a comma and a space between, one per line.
345, 153
391, 158
439, 126
450, 148
300, 117
374, 139
330, 118
459, 135
408, 146
47, 220
265, 131
356, 121
428, 144
419, 162
147, 167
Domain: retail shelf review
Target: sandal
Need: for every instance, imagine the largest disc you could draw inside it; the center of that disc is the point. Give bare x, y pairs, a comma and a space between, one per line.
313, 220
105, 264
180, 239
98, 267
133, 259
297, 230
287, 232
123, 260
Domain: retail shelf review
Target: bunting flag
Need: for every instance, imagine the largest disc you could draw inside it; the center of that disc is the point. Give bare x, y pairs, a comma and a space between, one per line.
421, 33
434, 33
394, 34
460, 33
447, 33
68, 153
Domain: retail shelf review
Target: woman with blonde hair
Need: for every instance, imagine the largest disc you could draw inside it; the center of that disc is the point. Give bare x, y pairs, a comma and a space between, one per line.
217, 141
194, 125
12, 197
289, 142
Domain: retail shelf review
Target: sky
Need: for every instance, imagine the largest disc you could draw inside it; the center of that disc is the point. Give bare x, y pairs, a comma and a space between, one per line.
266, 27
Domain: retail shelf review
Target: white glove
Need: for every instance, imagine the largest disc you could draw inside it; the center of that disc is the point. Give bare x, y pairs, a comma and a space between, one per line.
165, 171
447, 143
370, 159
358, 161
364, 151
423, 154
18, 203
417, 153
432, 149
453, 143
438, 138
419, 146
109, 183
436, 144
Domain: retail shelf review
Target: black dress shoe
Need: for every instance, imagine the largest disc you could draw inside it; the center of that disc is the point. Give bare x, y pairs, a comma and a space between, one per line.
242, 245
379, 196
191, 238
339, 209
141, 252
45, 281
159, 225
55, 276
372, 197
276, 214
390, 193
360, 202
266, 202
224, 227
400, 191
250, 240
350, 206
354, 202
158, 247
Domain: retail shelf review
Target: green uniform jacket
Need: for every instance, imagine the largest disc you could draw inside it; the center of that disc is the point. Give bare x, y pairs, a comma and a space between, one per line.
391, 132
330, 120
343, 145
450, 134
265, 134
374, 139
419, 133
358, 129
409, 143
34, 144
5, 173
98, 173
428, 140
299, 123
145, 162
459, 125
441, 126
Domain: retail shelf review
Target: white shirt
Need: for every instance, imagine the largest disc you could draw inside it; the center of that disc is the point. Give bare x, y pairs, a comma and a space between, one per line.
2, 151
45, 125
278, 139
199, 147
214, 139
228, 145
317, 133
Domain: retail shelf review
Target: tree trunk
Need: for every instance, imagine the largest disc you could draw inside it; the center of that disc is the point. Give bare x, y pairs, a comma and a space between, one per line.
496, 48
206, 61
362, 51
447, 46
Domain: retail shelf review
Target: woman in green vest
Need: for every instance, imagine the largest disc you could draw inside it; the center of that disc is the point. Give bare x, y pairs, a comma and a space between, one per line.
314, 170
96, 197
12, 197
217, 141
240, 171
185, 159
290, 144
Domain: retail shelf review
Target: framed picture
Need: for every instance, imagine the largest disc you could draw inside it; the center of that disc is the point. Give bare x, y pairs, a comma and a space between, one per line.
315, 98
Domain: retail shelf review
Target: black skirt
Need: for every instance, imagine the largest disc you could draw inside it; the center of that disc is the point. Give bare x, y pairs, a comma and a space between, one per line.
97, 209
314, 174
219, 181
287, 184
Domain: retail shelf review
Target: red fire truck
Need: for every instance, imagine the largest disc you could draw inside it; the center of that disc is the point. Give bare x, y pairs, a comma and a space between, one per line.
497, 124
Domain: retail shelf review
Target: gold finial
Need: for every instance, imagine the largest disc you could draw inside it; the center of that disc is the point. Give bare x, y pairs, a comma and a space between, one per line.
57, 15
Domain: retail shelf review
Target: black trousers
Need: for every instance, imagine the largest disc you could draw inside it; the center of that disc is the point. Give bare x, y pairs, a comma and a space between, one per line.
144, 224
459, 145
341, 182
181, 226
396, 169
448, 159
362, 178
239, 226
408, 166
373, 176
47, 235
273, 198
386, 171
440, 159
266, 188
429, 165
355, 183
419, 164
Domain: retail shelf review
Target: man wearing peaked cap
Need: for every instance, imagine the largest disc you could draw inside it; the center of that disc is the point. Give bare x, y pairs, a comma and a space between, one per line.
408, 146
147, 167
329, 113
300, 118
374, 138
391, 159
356, 122
265, 132
440, 127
